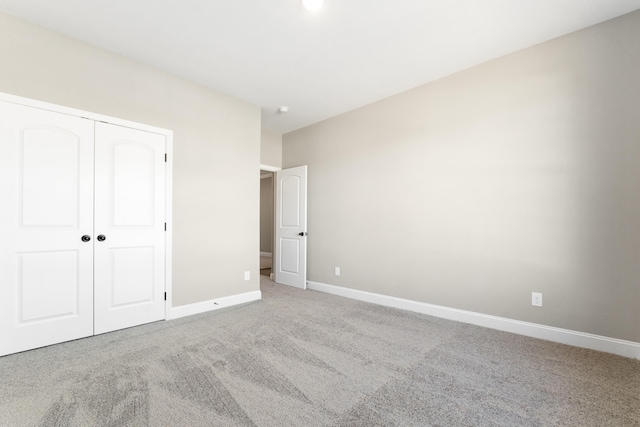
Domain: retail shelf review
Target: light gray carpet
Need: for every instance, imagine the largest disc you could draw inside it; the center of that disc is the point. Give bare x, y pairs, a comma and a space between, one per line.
302, 358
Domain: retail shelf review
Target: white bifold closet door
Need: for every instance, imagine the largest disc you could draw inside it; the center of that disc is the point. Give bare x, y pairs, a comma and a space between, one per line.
55, 274
129, 227
46, 188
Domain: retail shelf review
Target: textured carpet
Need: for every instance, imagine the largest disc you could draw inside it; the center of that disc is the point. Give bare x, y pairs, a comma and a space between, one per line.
303, 358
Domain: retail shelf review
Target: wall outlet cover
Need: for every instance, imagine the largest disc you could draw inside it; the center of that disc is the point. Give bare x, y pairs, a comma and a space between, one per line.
536, 299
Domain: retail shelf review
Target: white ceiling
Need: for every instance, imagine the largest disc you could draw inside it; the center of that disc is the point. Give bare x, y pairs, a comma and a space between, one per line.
350, 53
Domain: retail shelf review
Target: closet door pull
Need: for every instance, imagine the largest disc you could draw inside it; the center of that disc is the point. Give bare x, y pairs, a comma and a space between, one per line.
102, 238
86, 238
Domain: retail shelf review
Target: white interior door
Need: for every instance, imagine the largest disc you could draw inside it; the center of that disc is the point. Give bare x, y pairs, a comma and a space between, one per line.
46, 269
129, 227
291, 227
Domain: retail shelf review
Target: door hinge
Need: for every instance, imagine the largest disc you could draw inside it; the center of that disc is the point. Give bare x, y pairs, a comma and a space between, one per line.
165, 296
165, 226
165, 157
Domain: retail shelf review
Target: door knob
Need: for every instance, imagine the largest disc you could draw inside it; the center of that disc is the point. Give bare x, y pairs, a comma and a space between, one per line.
102, 238
302, 233
86, 238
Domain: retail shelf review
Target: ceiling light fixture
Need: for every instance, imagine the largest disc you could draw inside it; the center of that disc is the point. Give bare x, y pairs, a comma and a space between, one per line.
312, 5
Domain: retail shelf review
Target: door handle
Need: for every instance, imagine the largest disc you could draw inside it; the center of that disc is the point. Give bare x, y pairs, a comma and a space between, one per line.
302, 233
86, 238
102, 238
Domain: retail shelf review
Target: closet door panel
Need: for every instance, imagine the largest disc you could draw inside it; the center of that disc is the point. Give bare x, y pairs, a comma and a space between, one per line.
130, 214
46, 270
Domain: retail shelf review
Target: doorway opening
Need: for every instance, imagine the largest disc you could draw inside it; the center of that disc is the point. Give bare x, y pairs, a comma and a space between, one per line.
286, 231
266, 222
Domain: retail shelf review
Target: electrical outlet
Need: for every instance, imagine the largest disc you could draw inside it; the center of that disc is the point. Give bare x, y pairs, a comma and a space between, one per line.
337, 271
536, 299
247, 275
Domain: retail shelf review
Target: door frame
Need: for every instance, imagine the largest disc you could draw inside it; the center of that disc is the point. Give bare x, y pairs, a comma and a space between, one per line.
168, 134
273, 170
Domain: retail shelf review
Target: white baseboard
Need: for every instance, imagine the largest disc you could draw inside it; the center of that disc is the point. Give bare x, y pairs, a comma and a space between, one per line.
564, 336
214, 304
265, 254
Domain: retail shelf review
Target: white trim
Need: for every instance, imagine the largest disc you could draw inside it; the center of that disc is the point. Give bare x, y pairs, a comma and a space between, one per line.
214, 304
270, 168
168, 238
564, 336
266, 254
80, 113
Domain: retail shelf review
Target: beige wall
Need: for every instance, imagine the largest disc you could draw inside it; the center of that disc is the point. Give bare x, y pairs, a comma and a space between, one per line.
518, 175
216, 147
266, 214
271, 149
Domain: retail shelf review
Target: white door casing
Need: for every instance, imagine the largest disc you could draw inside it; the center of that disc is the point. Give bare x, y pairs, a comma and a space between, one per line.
291, 227
46, 270
130, 216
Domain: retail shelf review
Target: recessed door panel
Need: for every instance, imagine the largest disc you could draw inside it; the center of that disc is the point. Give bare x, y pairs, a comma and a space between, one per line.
290, 256
129, 215
290, 204
48, 286
133, 178
46, 270
132, 276
49, 177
